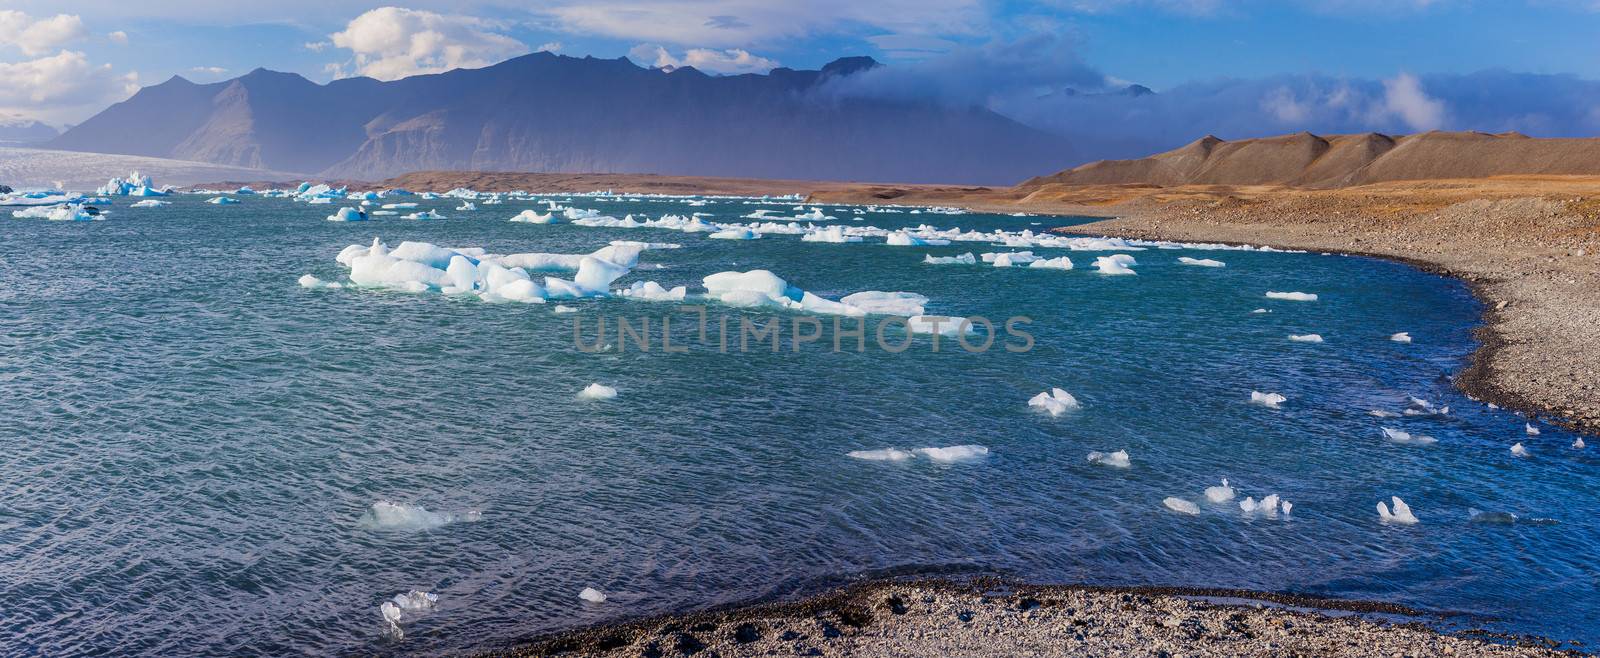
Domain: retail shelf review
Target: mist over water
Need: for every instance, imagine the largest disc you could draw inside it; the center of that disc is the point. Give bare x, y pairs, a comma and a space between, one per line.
195, 444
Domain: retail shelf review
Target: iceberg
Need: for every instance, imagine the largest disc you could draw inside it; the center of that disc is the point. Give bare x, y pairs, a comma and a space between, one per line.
943, 325
954, 453
221, 201
385, 515
886, 303
1201, 262
1306, 338
904, 239
1407, 438
1518, 450
963, 259
1220, 494
1292, 296
1118, 459
61, 213
735, 234
1530, 429
466, 206
1061, 263
348, 214
651, 291
598, 391
531, 217
834, 234
309, 281
1055, 401
880, 455
1009, 259
1268, 507
1402, 337
1270, 400
399, 206
150, 203
1114, 264
592, 595
426, 214
1181, 506
1401, 515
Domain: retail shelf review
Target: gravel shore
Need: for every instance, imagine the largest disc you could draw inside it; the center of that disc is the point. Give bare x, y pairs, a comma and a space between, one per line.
981, 619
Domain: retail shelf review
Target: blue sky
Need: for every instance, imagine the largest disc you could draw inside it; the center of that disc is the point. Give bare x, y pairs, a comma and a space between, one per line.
61, 60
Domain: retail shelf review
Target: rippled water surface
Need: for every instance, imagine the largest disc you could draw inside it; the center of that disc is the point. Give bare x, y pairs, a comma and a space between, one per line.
191, 439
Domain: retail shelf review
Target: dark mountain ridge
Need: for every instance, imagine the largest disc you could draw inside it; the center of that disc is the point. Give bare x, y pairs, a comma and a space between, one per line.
551, 113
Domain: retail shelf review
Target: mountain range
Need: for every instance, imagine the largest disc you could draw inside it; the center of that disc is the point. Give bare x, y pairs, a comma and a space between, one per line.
1315, 161
550, 113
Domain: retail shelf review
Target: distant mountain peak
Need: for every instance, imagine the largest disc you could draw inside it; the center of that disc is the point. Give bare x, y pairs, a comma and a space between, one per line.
849, 65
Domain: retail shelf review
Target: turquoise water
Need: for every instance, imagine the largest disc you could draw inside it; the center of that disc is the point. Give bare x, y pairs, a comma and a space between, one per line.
193, 439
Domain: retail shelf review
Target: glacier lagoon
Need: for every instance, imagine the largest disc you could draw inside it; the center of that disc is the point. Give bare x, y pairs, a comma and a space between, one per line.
197, 443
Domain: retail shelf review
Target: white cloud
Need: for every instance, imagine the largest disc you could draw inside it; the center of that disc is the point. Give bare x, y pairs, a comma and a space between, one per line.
61, 87
38, 36
316, 46
1403, 97
118, 37
392, 42
740, 23
551, 47
209, 70
732, 60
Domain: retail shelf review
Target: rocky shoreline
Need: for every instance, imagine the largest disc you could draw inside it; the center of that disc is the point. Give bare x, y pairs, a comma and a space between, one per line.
988, 617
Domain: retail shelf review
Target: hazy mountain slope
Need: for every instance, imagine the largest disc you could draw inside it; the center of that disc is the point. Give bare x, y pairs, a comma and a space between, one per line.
1307, 160
548, 113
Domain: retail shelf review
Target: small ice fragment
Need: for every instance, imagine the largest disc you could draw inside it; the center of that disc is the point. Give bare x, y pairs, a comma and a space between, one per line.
592, 595
1201, 262
1306, 338
1292, 296
1114, 264
1269, 400
1530, 429
1383, 414
598, 391
1578, 444
562, 308
1402, 337
1401, 515
1055, 401
1261, 310
309, 281
1398, 436
880, 455
954, 453
1118, 459
1220, 494
1519, 451
1181, 506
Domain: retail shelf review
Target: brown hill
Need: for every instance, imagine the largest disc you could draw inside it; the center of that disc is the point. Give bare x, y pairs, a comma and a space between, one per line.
1307, 160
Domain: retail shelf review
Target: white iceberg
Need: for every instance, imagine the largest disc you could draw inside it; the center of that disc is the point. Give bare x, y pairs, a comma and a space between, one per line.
221, 201
1055, 401
1306, 338
880, 455
650, 291
592, 595
1181, 506
963, 259
531, 217
1201, 262
1292, 296
1270, 400
943, 325
1407, 438
1059, 263
954, 453
886, 303
348, 214
1518, 450
1114, 264
597, 391
1530, 429
1118, 459
1401, 515
1402, 337
385, 515
1220, 494
735, 234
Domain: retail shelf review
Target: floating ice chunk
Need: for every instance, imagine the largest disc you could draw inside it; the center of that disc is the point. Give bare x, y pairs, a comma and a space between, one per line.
1421, 407
1181, 506
404, 606
426, 214
904, 239
1401, 515
309, 281
61, 213
1220, 494
943, 325
1519, 451
348, 214
1398, 436
531, 217
830, 234
651, 291
1292, 296
1118, 459
1061, 263
592, 595
1402, 337
880, 455
466, 206
1271, 400
399, 206
1530, 429
1265, 507
385, 515
1578, 444
1261, 310
1383, 414
150, 203
595, 275
954, 453
598, 391
1306, 338
735, 234
1114, 264
1009, 259
886, 303
963, 259
562, 308
221, 201
763, 282
1055, 401
1201, 262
